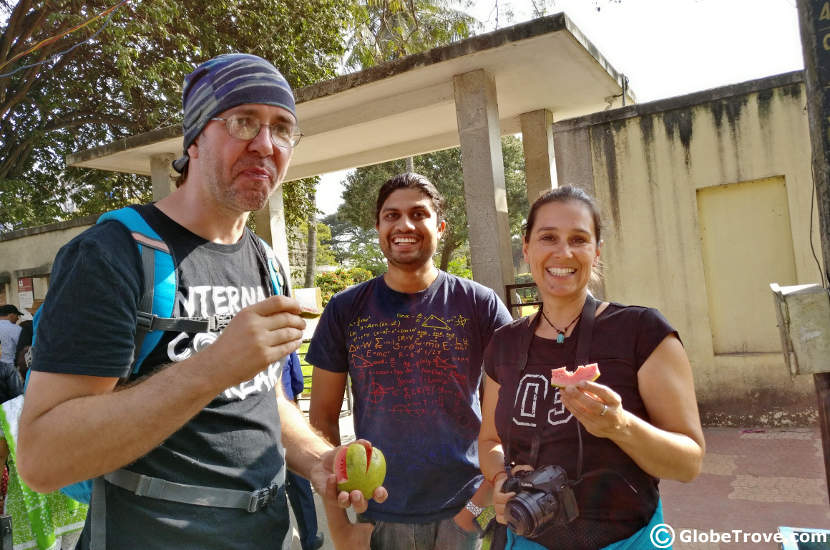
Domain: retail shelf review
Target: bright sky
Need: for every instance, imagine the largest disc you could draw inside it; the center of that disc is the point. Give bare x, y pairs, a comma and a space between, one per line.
665, 47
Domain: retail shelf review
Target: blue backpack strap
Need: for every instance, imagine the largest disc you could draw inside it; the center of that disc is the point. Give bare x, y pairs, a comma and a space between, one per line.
279, 282
160, 279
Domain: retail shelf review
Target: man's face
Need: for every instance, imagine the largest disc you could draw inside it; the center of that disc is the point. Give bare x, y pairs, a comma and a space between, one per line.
241, 174
408, 229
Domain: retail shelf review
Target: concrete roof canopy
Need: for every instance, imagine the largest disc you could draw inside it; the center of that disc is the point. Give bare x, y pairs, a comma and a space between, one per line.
407, 107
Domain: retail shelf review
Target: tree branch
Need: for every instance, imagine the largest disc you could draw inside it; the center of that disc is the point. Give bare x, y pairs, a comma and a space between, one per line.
28, 80
31, 23
88, 117
15, 19
13, 159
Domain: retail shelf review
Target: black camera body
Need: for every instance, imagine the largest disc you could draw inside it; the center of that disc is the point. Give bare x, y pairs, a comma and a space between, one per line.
544, 497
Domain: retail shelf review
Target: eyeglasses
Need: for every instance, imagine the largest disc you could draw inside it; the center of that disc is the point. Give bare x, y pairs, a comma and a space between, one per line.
283, 135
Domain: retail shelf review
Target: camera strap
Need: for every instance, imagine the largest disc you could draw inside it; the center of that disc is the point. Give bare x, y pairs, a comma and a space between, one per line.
583, 350
582, 357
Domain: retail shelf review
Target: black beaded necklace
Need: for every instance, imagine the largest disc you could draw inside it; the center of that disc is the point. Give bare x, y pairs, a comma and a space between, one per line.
560, 336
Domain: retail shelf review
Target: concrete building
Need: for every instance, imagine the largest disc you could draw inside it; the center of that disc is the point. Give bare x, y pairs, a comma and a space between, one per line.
467, 94
706, 196
708, 200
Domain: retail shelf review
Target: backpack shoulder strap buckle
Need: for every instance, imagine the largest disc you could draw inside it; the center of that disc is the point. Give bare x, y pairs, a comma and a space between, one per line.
218, 322
261, 497
144, 320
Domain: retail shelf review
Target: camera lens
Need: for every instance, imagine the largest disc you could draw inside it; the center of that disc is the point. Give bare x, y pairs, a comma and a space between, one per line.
518, 516
528, 512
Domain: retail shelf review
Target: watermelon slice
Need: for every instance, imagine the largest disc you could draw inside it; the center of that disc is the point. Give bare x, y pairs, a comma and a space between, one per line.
563, 378
359, 466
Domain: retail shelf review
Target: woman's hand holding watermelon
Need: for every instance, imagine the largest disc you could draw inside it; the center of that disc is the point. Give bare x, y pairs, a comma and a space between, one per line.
597, 407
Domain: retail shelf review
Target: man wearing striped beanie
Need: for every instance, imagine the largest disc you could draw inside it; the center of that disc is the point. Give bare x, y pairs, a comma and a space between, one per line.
191, 452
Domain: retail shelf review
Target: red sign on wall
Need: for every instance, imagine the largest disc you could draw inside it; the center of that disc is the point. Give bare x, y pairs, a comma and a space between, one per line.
25, 292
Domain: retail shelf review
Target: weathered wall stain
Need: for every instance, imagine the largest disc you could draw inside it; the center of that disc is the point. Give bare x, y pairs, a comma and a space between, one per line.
608, 150
730, 108
764, 104
793, 90
678, 124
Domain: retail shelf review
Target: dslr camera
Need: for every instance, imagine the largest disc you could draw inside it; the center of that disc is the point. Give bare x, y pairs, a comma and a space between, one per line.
544, 497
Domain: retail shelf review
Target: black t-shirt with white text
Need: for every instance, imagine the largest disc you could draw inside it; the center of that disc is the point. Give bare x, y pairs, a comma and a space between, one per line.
621, 498
234, 442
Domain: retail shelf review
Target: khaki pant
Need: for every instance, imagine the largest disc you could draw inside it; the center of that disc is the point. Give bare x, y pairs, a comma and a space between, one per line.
438, 535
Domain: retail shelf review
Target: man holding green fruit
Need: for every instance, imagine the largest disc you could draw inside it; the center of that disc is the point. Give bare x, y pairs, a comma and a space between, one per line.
412, 342
191, 451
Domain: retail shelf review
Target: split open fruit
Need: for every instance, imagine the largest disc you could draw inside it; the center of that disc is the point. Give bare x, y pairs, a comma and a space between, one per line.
359, 466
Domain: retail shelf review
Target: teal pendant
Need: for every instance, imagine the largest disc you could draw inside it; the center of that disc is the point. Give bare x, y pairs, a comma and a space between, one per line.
560, 337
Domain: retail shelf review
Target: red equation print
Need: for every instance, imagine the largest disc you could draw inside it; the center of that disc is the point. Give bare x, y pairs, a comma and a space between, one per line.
376, 392
413, 364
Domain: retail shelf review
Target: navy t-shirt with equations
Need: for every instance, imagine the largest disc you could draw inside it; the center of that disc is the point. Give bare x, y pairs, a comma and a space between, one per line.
415, 364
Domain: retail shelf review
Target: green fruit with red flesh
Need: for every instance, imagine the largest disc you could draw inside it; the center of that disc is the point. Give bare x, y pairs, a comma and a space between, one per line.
359, 466
563, 378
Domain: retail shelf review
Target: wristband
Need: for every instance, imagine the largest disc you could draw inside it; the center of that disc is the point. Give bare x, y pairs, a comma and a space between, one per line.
473, 508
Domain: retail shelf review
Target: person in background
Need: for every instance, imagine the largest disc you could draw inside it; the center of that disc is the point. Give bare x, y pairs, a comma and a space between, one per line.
23, 345
614, 437
9, 332
412, 341
11, 385
297, 487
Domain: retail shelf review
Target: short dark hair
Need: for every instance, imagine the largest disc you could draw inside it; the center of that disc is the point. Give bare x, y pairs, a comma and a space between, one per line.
566, 193
182, 177
410, 180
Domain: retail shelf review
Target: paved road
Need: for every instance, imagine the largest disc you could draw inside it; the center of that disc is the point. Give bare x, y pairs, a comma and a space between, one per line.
755, 480
752, 480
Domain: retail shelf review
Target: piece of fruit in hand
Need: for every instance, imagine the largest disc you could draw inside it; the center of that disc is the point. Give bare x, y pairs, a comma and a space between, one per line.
562, 377
359, 466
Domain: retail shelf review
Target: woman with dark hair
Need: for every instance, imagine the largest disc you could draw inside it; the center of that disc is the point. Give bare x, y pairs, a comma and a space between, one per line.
577, 468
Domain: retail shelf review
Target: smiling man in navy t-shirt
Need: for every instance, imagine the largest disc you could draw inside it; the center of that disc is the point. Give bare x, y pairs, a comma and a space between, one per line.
412, 342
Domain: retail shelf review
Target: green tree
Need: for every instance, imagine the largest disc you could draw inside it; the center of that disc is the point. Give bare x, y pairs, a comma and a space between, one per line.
444, 169
298, 250
384, 30
126, 80
332, 282
355, 246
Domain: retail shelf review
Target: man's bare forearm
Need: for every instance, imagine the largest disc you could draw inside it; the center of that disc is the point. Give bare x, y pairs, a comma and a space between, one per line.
303, 446
90, 435
76, 427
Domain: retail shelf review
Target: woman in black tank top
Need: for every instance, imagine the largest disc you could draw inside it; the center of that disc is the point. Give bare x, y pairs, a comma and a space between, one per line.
589, 455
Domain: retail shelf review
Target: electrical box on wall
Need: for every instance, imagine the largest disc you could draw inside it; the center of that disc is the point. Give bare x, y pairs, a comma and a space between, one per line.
803, 313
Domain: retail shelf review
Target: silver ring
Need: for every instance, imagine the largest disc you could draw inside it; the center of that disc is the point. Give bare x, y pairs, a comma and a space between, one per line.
604, 409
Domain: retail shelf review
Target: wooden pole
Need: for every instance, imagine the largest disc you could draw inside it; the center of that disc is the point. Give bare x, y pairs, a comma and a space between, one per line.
814, 21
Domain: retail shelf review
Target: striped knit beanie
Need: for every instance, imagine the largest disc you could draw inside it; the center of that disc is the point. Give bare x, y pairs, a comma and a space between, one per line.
224, 82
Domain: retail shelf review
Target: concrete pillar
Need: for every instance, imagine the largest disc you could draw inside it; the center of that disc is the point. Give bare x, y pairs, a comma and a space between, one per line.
270, 225
477, 113
160, 169
540, 162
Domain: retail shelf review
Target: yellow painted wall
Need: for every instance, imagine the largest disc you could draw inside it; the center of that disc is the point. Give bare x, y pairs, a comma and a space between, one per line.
705, 204
746, 242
